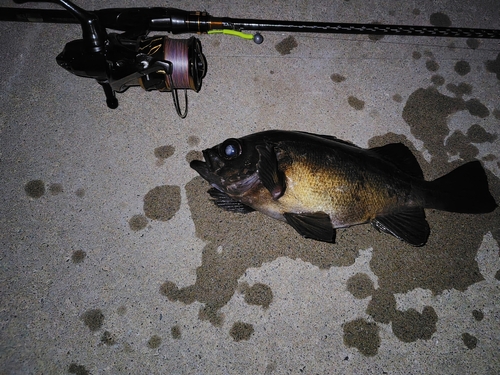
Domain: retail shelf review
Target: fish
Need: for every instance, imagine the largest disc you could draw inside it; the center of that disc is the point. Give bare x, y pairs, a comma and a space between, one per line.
320, 183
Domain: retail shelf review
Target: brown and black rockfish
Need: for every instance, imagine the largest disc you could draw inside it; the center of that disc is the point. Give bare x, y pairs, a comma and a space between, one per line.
317, 183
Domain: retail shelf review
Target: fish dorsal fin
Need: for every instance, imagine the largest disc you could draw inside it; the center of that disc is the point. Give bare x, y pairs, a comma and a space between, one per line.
330, 138
272, 178
227, 203
316, 225
401, 156
408, 225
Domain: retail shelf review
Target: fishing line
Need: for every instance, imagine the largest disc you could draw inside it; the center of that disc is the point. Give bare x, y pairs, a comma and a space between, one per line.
186, 71
176, 51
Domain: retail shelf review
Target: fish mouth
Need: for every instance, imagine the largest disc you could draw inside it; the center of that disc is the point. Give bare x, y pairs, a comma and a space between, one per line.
207, 169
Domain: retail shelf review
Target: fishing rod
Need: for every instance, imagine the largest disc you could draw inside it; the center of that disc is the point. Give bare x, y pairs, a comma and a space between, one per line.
118, 61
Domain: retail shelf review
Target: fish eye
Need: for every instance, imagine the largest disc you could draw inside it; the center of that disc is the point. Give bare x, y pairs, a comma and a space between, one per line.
230, 149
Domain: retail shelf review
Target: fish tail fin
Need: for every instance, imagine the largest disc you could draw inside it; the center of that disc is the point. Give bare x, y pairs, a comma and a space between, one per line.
464, 190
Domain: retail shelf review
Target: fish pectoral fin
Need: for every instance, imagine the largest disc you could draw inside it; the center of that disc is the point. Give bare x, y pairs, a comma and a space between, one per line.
272, 178
315, 225
408, 225
227, 203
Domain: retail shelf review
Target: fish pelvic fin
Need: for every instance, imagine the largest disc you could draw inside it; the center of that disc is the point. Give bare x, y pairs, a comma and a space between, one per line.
464, 190
272, 178
227, 203
408, 225
316, 225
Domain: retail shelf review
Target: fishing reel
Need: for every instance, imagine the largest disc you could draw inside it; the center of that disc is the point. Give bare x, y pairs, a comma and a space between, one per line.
120, 61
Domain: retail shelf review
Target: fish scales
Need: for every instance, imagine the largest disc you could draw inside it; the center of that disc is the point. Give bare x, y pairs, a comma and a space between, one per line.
329, 180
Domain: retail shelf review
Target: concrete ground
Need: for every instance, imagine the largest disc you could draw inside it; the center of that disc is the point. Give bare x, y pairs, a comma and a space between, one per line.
115, 261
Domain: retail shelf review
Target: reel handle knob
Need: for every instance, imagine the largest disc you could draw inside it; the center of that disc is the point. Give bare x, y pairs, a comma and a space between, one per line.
111, 100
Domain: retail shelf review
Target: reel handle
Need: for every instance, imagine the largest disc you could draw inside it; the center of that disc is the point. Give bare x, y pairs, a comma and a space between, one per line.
93, 34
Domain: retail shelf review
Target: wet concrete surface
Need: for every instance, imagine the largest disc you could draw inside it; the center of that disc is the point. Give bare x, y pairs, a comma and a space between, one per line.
114, 260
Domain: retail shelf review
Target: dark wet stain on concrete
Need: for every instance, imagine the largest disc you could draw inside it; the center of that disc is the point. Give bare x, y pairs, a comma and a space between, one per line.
410, 325
122, 310
432, 66
138, 222
397, 98
212, 314
286, 46
496, 113
407, 326
176, 332
476, 108
415, 12
78, 369
497, 275
78, 256
462, 67
93, 319
56, 189
108, 338
154, 342
493, 66
194, 155
362, 335
337, 78
356, 103
427, 111
458, 145
416, 55
193, 140
473, 43
477, 134
360, 285
382, 306
459, 90
241, 331
35, 189
257, 294
80, 193
440, 19
478, 315
437, 80
469, 340
164, 152
270, 368
489, 157
162, 202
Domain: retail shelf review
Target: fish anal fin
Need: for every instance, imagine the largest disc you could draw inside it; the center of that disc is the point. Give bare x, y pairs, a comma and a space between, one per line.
227, 203
272, 178
316, 225
408, 225
401, 156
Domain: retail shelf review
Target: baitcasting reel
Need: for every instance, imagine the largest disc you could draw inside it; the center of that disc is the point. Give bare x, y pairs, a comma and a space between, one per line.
119, 61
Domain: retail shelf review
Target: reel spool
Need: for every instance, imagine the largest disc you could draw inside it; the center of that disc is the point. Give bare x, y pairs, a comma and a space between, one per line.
188, 67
